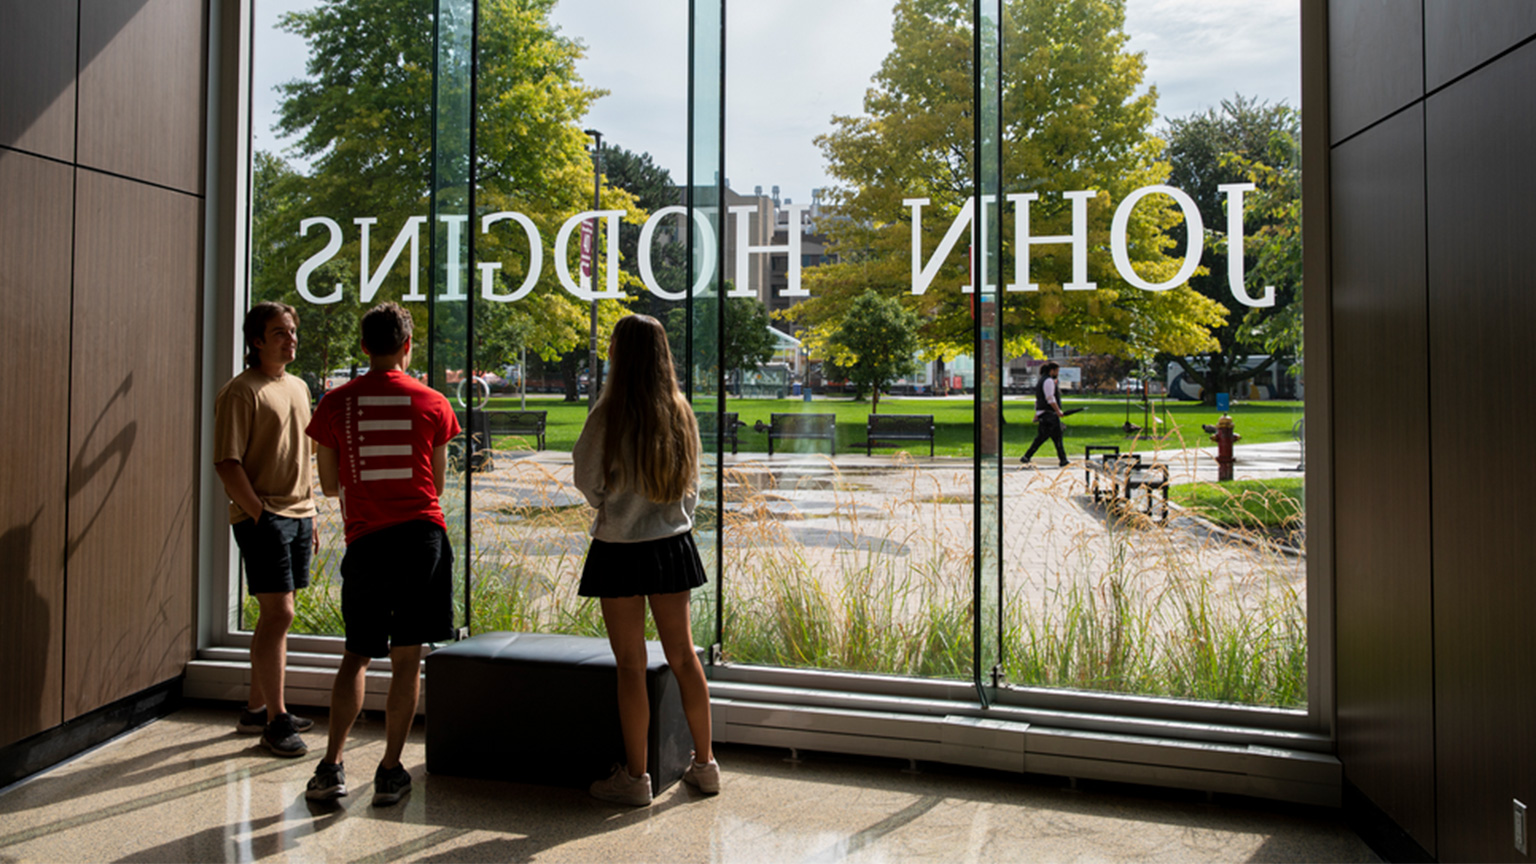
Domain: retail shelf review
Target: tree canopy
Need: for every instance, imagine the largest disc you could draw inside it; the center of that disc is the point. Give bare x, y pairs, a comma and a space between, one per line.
361, 120
747, 344
875, 343
1073, 118
1245, 140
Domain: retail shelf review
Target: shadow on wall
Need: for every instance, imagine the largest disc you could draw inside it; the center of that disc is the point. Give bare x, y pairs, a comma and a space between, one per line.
26, 616
42, 83
82, 472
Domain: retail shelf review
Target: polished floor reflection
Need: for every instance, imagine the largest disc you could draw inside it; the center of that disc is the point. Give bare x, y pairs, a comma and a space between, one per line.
187, 788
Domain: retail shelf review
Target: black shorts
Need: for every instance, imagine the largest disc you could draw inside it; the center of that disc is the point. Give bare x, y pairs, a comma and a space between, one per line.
276, 552
397, 588
664, 566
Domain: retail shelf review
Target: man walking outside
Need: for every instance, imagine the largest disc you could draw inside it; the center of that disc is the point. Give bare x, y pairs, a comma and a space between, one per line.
383, 447
262, 455
1048, 413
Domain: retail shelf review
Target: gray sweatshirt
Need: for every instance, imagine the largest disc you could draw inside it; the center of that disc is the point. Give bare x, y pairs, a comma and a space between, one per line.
624, 515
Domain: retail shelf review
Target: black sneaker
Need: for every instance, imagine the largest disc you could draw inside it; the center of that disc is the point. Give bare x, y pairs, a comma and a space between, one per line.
282, 738
329, 782
255, 722
390, 785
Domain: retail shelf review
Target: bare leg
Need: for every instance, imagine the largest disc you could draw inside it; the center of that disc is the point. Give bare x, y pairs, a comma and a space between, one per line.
269, 652
346, 703
672, 625
625, 619
400, 707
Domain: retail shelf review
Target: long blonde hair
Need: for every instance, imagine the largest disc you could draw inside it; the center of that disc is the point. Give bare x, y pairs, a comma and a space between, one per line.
640, 402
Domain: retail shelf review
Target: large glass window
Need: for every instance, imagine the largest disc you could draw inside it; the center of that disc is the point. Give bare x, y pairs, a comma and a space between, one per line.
869, 229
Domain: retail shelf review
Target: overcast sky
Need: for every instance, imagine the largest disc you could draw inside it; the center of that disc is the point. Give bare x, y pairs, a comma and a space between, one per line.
793, 64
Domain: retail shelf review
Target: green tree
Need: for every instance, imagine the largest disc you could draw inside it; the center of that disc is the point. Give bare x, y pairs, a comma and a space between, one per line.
875, 343
653, 189
1073, 119
362, 118
748, 342
1244, 140
1274, 247
328, 335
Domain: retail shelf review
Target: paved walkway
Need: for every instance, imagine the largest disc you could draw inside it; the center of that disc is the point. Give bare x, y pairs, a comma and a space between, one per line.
895, 515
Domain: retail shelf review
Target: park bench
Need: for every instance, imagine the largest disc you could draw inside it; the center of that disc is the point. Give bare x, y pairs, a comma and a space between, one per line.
891, 430
713, 424
481, 429
1113, 477
521, 423
819, 427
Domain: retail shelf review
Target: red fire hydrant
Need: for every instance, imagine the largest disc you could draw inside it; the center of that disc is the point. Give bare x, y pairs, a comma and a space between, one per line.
1225, 437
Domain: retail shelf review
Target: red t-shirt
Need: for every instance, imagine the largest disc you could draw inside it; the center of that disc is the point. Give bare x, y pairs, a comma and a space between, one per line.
384, 427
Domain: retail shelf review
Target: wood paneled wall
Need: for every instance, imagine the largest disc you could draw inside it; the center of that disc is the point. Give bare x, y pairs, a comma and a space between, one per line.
1433, 305
101, 178
34, 278
1381, 465
133, 437
141, 93
1482, 308
37, 78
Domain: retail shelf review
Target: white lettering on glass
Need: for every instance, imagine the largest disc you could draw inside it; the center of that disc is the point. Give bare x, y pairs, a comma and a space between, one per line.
455, 288
922, 274
923, 271
535, 258
1078, 238
706, 246
745, 250
1235, 268
1119, 242
563, 264
411, 234
332, 246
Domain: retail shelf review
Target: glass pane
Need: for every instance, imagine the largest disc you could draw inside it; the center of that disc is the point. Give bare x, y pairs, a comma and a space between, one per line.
566, 200
1129, 161
989, 401
848, 488
451, 359
339, 200
706, 308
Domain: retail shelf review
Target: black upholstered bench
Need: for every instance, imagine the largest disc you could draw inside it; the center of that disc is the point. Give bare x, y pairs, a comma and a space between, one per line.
543, 708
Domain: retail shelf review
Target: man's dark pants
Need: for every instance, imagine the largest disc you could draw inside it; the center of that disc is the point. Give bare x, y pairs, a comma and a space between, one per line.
1050, 429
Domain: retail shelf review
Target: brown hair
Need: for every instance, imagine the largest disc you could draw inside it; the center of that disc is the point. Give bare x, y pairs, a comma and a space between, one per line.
640, 403
255, 327
385, 328
1049, 367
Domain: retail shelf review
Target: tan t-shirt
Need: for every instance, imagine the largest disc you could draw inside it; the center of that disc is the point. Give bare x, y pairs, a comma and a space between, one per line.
260, 422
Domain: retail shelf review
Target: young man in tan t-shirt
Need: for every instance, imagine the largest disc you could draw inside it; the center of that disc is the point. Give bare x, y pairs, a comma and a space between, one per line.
262, 455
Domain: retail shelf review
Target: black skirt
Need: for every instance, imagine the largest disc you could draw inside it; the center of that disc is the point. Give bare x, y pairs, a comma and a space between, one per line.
664, 566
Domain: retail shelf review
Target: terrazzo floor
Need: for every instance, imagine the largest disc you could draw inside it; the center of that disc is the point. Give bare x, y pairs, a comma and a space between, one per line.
187, 788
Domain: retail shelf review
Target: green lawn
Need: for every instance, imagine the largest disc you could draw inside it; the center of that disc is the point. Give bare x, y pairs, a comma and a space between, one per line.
1101, 423
1271, 504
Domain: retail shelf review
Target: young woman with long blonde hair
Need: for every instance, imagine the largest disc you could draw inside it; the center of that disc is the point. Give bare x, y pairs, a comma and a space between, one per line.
637, 462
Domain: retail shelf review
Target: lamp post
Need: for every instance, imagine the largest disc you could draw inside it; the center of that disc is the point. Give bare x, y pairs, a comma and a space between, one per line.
593, 370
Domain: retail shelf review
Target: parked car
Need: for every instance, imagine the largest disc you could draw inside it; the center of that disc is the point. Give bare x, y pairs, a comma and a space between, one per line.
338, 377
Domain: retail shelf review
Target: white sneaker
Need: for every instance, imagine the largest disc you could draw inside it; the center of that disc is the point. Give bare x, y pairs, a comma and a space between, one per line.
620, 788
703, 775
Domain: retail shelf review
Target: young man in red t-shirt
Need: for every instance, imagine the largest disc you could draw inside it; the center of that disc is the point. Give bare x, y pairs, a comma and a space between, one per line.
383, 448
